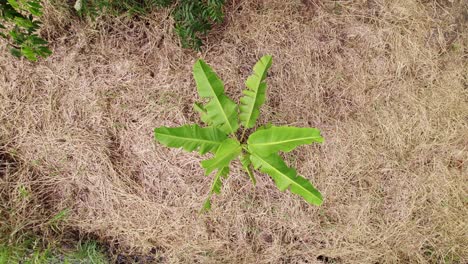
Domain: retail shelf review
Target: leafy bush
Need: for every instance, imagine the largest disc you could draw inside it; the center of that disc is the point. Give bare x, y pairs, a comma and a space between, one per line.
18, 23
193, 18
223, 119
19, 26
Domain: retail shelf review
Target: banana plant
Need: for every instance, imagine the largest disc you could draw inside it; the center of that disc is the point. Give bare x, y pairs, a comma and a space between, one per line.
220, 135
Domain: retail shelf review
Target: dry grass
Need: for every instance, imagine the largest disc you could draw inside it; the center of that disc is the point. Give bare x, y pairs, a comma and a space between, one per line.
386, 82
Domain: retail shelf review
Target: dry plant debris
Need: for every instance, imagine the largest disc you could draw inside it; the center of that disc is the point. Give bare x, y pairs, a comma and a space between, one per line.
386, 81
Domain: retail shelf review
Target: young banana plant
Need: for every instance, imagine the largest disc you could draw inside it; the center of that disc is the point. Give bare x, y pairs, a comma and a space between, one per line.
223, 118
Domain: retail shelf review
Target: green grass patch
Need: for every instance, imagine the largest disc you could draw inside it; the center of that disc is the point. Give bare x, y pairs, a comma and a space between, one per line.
32, 252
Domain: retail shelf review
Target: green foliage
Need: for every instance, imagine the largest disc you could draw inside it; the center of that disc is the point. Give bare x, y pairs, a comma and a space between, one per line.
31, 252
274, 139
285, 177
19, 24
57, 219
227, 151
87, 252
18, 27
216, 187
220, 111
36, 238
191, 138
261, 149
193, 18
255, 94
246, 165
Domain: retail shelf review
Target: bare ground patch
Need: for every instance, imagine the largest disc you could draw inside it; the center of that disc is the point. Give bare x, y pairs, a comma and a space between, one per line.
386, 82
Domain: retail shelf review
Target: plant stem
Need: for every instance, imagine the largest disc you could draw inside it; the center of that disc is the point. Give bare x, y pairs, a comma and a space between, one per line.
13, 45
243, 134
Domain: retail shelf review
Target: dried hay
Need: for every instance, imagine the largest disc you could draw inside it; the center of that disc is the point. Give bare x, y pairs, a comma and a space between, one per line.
386, 82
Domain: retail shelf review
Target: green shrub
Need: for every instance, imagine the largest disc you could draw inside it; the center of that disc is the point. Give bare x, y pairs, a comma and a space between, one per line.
193, 18
18, 26
223, 118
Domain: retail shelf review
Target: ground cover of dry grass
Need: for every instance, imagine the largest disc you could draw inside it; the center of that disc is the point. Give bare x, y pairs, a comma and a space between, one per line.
385, 81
